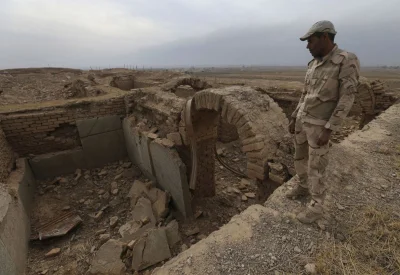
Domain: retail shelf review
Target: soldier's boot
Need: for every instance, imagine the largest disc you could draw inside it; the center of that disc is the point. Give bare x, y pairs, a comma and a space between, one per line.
312, 213
297, 191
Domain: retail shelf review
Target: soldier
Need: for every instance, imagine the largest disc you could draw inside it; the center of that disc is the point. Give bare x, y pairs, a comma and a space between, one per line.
328, 95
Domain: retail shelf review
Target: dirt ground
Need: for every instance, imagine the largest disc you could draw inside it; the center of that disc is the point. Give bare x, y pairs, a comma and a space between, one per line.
21, 86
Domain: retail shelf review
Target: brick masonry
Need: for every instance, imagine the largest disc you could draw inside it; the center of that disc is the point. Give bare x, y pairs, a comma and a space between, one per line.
260, 124
45, 131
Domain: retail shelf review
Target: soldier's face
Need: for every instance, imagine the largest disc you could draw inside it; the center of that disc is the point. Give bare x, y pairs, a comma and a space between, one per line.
315, 45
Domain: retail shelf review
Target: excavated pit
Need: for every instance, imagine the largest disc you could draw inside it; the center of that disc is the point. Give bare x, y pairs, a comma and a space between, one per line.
144, 140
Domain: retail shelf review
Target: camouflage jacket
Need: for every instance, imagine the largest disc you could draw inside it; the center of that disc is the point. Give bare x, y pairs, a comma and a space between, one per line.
329, 89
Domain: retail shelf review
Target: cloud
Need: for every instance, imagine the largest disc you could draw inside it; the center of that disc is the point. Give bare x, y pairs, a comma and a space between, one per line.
82, 33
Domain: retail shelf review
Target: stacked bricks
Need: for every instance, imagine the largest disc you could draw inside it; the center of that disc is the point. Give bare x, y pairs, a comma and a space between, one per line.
383, 97
44, 131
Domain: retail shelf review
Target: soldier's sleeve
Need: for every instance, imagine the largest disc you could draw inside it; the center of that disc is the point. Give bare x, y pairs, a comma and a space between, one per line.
348, 81
303, 94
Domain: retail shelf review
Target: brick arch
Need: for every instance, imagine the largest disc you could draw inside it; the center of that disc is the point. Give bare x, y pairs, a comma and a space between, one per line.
260, 122
196, 83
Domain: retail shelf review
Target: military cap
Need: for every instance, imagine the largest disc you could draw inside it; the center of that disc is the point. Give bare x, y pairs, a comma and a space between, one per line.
320, 26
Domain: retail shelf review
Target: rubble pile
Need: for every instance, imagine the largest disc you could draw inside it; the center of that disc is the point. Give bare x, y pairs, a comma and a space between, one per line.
81, 88
145, 239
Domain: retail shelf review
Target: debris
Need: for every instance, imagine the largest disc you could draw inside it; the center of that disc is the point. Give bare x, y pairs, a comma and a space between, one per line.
53, 252
172, 232
297, 249
99, 215
143, 209
127, 165
114, 185
62, 180
150, 249
237, 191
117, 177
133, 230
339, 206
106, 196
78, 174
220, 152
250, 195
192, 231
244, 198
66, 208
137, 190
107, 260
104, 237
310, 268
198, 214
101, 231
175, 138
103, 173
160, 207
59, 226
115, 191
113, 221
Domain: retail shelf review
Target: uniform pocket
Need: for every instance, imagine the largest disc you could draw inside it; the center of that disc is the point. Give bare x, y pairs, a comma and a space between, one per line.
329, 91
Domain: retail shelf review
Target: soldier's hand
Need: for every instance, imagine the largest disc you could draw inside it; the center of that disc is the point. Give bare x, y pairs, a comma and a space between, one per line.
292, 126
324, 137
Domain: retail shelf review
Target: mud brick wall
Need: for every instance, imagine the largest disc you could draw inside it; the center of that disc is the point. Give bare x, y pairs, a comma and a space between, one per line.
45, 131
6, 157
227, 132
159, 109
384, 100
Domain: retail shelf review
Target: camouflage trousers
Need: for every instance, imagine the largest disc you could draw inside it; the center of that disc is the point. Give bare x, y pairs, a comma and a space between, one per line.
310, 160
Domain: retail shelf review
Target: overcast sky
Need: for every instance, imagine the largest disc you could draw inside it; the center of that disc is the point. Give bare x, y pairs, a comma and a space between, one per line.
83, 33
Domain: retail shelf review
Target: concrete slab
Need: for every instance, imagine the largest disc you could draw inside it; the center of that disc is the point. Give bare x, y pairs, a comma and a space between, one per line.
107, 260
7, 266
150, 249
24, 184
137, 145
104, 148
171, 176
56, 164
98, 125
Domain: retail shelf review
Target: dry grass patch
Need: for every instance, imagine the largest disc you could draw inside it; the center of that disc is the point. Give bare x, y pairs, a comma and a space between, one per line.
372, 246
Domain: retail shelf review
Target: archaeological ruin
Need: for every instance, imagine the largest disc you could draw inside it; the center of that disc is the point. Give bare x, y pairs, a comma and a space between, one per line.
120, 171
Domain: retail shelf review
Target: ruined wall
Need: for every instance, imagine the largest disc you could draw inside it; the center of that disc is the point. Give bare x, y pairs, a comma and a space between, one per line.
48, 130
155, 109
6, 157
227, 132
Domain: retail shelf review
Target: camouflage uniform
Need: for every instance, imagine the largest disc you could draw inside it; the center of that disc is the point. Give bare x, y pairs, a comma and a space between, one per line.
328, 95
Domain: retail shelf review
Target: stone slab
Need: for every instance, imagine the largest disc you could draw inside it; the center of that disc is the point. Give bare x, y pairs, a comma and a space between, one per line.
7, 266
107, 260
137, 145
104, 148
171, 176
14, 232
24, 184
56, 164
98, 125
150, 249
